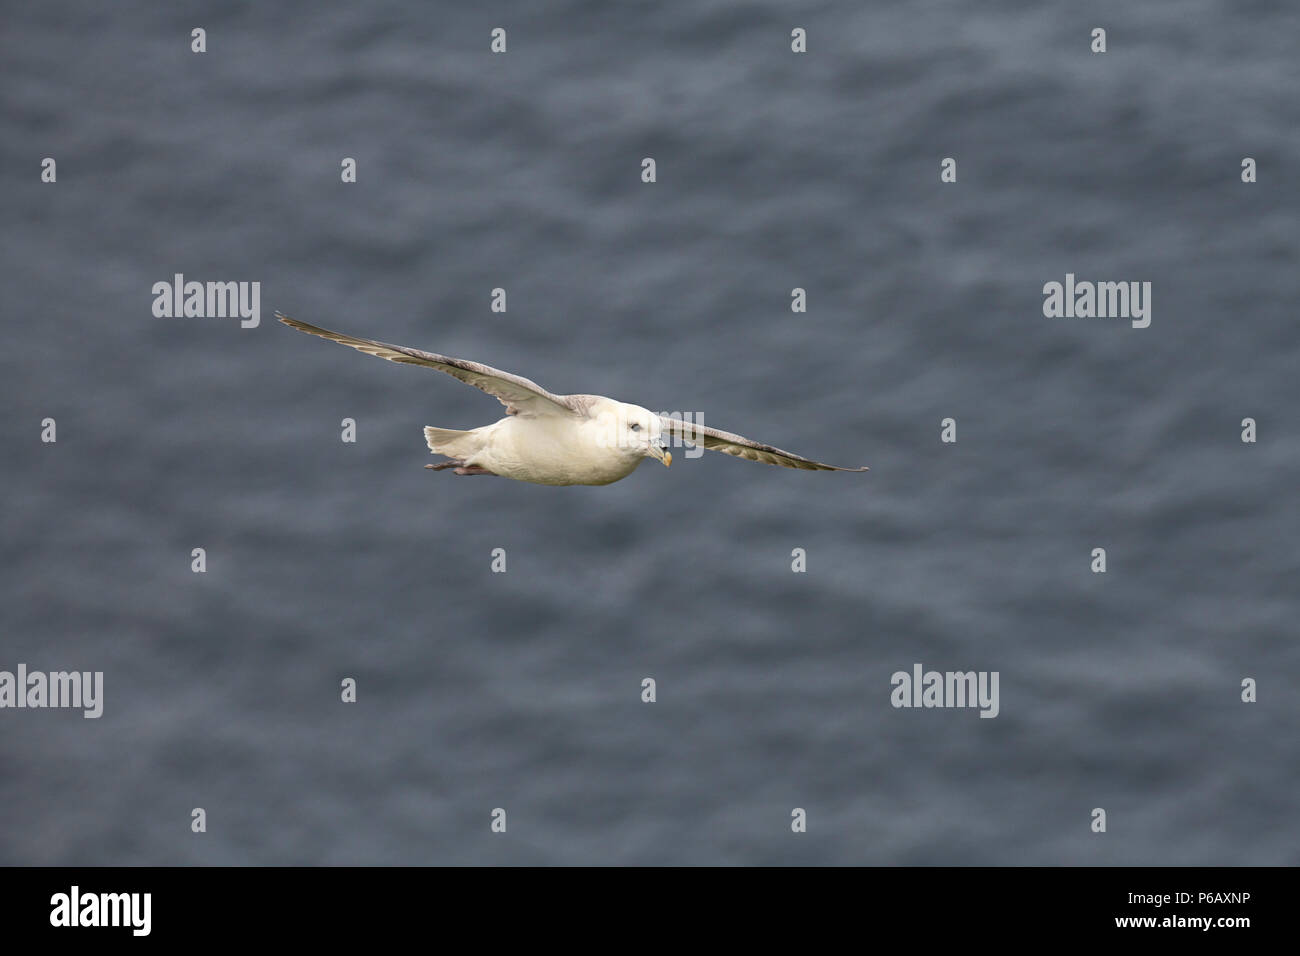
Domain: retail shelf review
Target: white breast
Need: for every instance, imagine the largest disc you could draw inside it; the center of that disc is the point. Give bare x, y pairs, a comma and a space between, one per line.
553, 450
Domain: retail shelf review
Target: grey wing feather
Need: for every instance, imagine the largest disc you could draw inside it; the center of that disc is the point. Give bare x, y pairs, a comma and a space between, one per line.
741, 447
521, 396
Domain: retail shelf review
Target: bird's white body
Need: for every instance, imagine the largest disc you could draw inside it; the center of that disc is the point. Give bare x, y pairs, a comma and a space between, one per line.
555, 449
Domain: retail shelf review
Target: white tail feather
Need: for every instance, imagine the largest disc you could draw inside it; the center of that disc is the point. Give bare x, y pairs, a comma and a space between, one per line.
450, 442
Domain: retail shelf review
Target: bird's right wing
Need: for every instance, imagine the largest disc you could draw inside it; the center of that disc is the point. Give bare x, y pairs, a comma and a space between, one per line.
741, 447
521, 396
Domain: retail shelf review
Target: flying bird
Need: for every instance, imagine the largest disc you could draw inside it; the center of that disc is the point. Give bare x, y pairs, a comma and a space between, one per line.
557, 439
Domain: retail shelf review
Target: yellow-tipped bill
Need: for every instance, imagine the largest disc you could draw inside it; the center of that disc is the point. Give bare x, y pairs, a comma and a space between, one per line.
663, 454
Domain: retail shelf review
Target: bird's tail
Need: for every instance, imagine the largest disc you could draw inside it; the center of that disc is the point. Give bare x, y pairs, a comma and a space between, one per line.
452, 443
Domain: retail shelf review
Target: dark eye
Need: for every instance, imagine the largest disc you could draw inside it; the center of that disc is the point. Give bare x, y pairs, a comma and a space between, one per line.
636, 427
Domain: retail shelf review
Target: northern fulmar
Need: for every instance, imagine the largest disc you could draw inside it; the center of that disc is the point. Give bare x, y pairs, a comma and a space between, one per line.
557, 439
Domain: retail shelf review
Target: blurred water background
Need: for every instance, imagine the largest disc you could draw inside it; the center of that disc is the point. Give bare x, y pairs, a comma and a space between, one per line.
522, 690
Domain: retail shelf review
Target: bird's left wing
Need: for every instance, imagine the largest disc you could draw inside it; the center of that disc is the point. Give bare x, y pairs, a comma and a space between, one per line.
741, 447
521, 396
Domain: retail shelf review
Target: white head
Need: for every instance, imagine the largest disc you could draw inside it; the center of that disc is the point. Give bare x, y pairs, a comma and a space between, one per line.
632, 429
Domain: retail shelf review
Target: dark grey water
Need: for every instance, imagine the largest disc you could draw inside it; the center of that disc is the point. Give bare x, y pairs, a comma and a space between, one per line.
522, 690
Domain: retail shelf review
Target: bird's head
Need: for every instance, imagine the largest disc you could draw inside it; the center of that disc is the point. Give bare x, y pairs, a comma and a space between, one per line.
635, 430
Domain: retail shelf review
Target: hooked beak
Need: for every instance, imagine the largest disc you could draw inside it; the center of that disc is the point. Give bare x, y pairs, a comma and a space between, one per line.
660, 451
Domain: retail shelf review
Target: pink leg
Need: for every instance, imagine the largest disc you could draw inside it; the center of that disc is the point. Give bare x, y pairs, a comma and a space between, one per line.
472, 470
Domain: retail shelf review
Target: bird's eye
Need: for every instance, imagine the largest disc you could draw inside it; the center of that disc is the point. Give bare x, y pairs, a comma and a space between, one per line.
636, 426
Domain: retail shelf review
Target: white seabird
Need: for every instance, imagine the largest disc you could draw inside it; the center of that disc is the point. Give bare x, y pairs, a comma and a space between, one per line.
557, 439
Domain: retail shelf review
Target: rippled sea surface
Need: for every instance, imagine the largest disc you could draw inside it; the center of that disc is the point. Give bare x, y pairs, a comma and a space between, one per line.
522, 690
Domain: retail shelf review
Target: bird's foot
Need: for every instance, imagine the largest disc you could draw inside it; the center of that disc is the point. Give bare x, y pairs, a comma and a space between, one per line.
461, 468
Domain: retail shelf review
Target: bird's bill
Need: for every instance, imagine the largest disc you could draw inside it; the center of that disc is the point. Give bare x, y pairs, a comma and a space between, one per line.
663, 454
